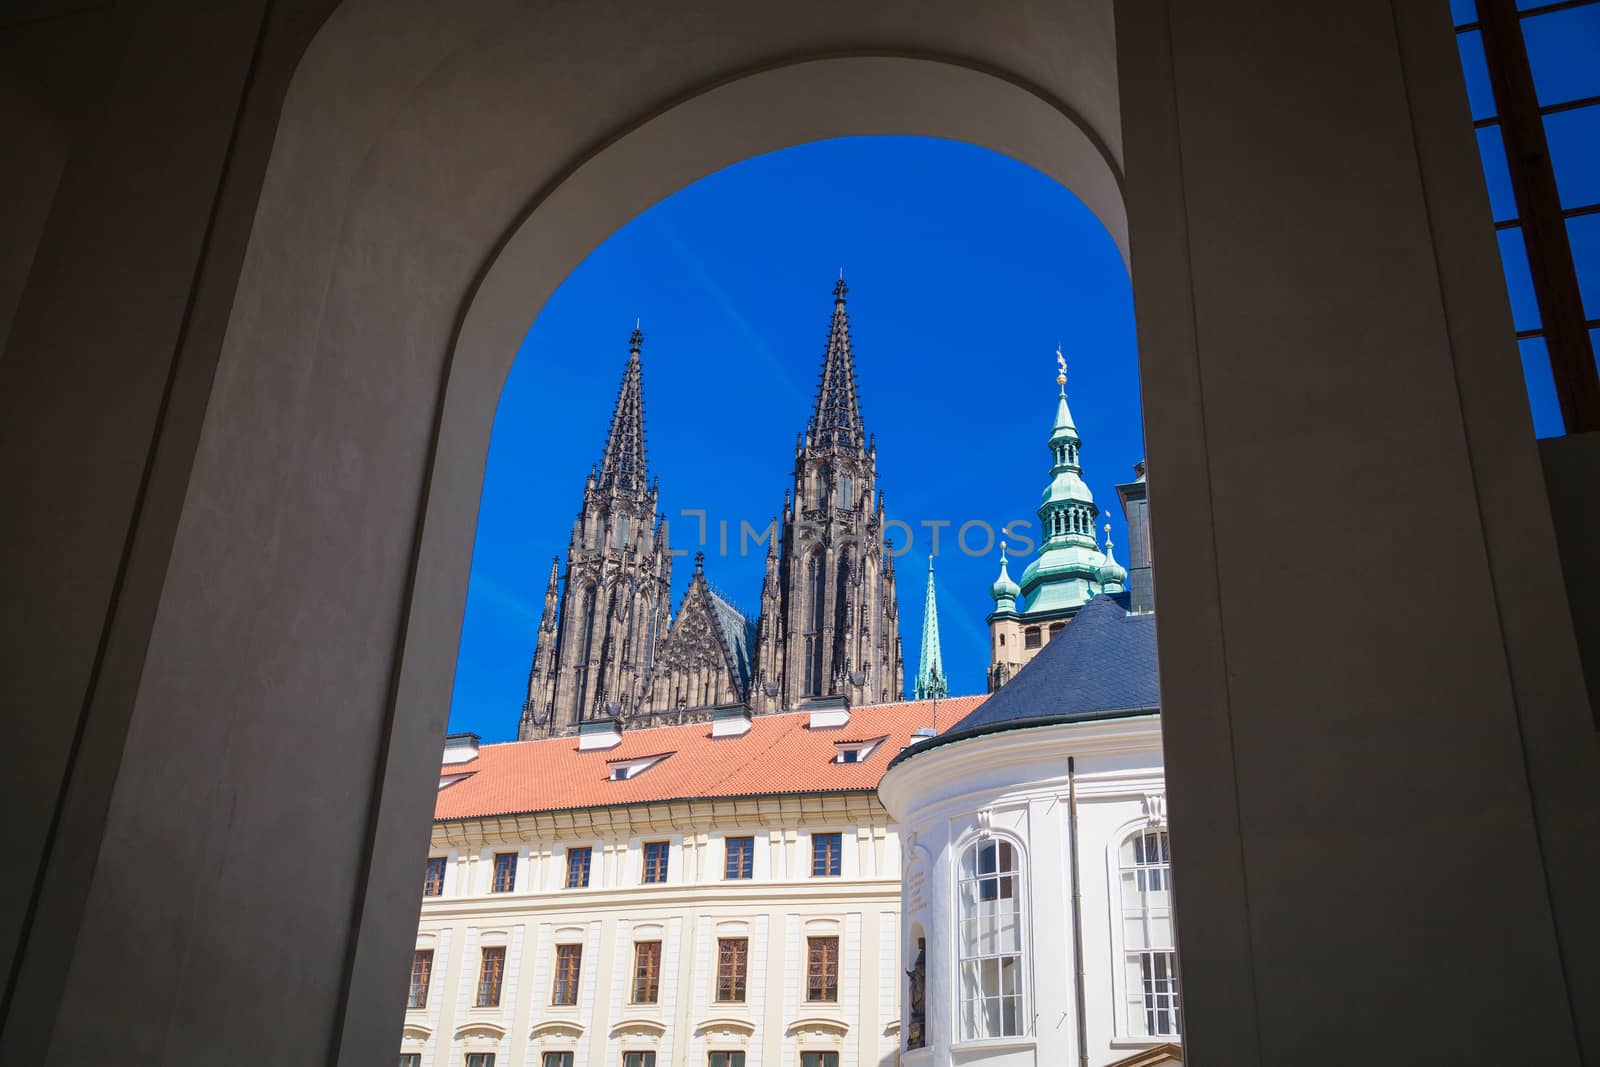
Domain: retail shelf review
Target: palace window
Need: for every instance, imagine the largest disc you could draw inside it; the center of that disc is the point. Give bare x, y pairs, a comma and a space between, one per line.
578, 860
556, 1059
819, 1059
733, 957
433, 880
569, 966
989, 892
1030, 637
822, 969
421, 974
655, 862
725, 1059
491, 972
1151, 962
480, 1059
410, 1059
827, 855
646, 972
739, 861
638, 1059
505, 872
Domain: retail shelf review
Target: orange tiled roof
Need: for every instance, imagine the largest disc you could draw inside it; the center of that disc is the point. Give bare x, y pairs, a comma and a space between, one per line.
780, 754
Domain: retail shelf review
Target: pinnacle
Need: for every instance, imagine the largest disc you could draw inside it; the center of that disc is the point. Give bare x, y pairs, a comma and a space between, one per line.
836, 419
622, 466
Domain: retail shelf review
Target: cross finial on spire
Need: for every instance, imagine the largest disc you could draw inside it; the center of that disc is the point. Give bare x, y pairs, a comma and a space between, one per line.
636, 339
840, 288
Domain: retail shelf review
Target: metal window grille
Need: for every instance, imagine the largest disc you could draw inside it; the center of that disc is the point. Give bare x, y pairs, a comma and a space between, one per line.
421, 973
505, 872
578, 860
740, 861
989, 893
491, 972
655, 861
827, 854
822, 969
646, 972
733, 956
569, 966
433, 880
1152, 974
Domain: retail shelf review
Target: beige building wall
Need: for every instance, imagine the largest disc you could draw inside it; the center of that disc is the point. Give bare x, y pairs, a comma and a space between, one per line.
776, 909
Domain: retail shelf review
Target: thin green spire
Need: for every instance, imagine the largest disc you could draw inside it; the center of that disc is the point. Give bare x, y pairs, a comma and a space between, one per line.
931, 684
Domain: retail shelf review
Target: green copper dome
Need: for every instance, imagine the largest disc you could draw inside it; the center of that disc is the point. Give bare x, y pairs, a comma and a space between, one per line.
1004, 590
1066, 573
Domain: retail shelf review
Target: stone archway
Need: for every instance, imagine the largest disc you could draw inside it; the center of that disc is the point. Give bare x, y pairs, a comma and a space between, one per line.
235, 735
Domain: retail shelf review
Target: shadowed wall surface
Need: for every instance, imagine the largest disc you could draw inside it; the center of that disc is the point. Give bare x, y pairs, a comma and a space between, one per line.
248, 391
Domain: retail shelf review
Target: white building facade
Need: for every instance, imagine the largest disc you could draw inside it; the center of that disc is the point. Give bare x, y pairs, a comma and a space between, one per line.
723, 895
1037, 893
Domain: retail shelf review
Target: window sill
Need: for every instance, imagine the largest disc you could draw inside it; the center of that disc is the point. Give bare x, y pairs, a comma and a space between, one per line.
1146, 1042
993, 1044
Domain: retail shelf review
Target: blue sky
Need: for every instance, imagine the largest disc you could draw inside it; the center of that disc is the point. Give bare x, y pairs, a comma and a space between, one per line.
965, 268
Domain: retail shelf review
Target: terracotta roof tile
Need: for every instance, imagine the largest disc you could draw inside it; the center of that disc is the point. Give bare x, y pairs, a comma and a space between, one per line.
779, 754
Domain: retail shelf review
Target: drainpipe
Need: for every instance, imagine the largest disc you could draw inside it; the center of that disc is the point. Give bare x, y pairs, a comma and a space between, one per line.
1077, 910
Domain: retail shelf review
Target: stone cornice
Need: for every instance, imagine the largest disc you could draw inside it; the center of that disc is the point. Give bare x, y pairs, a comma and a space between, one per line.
622, 821
569, 903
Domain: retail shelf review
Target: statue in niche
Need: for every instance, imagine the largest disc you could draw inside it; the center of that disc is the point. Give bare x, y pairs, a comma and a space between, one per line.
916, 1036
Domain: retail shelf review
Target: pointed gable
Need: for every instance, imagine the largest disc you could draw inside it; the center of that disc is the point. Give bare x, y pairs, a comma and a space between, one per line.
705, 658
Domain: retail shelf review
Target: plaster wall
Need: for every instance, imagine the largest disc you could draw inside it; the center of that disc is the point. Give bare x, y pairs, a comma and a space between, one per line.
776, 910
1018, 782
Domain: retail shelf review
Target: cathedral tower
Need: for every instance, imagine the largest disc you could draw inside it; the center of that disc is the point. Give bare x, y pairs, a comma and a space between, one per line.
594, 653
1071, 567
829, 625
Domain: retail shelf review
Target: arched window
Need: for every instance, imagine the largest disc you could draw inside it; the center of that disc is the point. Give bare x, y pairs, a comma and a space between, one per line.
844, 490
989, 896
1151, 962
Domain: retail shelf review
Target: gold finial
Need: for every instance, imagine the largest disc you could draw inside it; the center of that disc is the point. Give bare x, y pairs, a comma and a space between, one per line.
1061, 374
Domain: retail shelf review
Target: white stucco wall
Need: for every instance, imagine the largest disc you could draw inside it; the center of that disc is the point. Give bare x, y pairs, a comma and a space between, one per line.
1015, 786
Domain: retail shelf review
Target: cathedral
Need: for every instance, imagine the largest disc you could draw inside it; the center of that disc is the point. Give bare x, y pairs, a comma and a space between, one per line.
608, 645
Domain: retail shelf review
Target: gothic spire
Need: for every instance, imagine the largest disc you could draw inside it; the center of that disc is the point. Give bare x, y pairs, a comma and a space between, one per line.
931, 684
837, 418
622, 466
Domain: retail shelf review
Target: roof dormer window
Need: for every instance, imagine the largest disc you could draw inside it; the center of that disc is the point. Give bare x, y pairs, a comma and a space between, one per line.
855, 751
624, 769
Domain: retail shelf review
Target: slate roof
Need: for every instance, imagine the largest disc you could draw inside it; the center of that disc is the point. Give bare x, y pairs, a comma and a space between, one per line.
780, 754
738, 634
1102, 665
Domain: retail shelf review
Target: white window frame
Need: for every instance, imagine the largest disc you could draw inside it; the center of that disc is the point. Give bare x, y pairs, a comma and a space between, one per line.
1120, 911
1024, 954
